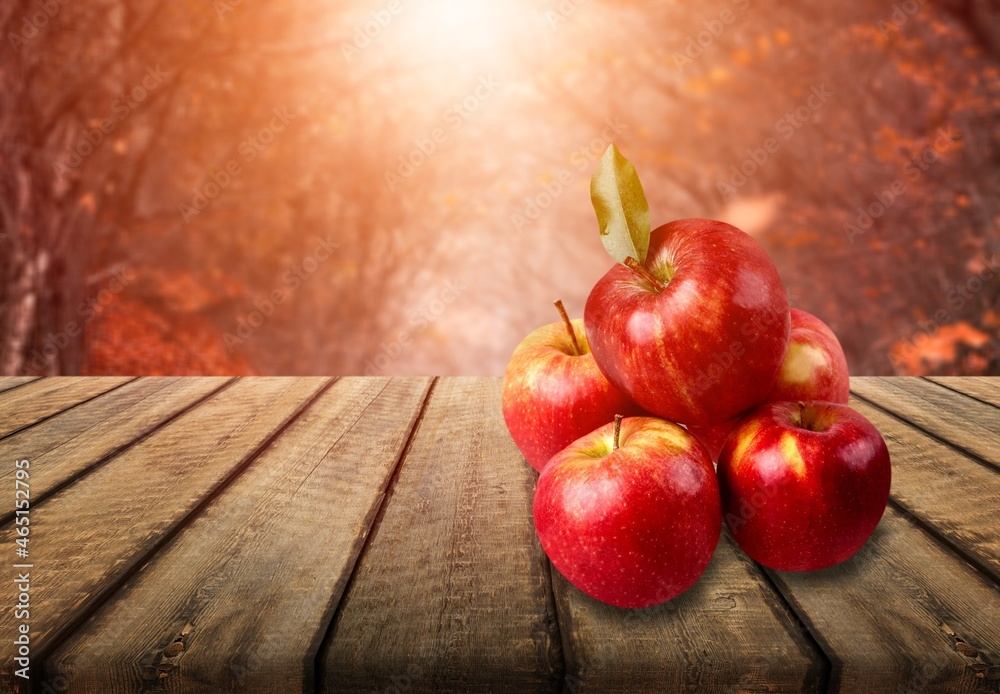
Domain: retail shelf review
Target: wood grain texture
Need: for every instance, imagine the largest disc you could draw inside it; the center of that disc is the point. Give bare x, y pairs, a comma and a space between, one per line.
184, 554
983, 388
69, 443
956, 418
730, 632
90, 536
453, 592
31, 403
11, 382
956, 496
287, 532
904, 614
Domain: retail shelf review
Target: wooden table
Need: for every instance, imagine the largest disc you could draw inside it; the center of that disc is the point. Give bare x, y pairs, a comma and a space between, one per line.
372, 534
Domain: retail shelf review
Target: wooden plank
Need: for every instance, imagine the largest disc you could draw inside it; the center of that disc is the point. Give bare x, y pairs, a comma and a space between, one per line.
11, 382
89, 537
67, 444
985, 388
729, 632
953, 494
971, 425
453, 591
29, 404
287, 533
904, 614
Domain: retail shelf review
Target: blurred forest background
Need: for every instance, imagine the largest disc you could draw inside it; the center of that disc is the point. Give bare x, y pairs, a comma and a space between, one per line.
401, 186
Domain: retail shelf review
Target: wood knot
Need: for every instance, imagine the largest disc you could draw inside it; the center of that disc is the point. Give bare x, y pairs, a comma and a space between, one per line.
174, 649
724, 602
171, 655
965, 649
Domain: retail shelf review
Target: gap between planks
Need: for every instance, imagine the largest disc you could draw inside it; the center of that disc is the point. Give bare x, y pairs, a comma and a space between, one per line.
812, 633
805, 626
11, 383
63, 409
323, 447
944, 383
57, 640
926, 525
319, 672
932, 531
100, 462
977, 458
452, 590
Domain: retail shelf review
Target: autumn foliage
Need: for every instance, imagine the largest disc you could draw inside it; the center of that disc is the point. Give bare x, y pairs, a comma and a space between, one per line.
321, 188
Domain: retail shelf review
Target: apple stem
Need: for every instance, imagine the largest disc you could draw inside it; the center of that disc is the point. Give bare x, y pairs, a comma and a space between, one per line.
569, 326
618, 430
641, 270
802, 415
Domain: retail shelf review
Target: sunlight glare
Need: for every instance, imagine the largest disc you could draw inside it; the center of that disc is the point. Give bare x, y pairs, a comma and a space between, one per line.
450, 29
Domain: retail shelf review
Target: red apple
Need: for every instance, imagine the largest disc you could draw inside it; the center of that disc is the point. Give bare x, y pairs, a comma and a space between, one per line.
713, 437
815, 367
553, 392
631, 525
803, 484
698, 332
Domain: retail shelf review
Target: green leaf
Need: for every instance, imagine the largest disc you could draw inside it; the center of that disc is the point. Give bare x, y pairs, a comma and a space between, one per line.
621, 207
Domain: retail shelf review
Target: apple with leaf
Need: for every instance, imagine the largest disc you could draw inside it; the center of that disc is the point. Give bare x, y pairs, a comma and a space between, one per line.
692, 323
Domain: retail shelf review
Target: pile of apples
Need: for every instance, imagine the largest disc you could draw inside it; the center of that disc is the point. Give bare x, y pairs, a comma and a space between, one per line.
688, 353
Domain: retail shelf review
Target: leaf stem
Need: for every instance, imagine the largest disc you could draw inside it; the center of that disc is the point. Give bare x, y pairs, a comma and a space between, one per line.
640, 269
569, 326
